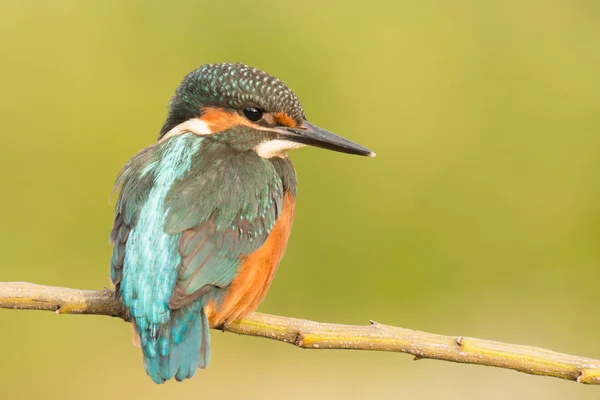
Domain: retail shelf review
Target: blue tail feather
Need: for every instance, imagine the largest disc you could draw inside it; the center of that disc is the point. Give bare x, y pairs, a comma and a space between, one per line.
181, 346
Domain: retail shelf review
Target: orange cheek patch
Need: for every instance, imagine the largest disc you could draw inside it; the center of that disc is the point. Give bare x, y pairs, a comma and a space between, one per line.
284, 119
219, 120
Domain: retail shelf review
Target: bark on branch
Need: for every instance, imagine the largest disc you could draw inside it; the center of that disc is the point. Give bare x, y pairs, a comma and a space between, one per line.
317, 335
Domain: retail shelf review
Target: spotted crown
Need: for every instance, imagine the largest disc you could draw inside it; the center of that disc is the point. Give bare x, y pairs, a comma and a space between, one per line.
233, 85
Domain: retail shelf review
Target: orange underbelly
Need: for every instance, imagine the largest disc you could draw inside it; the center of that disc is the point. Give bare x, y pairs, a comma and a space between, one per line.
256, 272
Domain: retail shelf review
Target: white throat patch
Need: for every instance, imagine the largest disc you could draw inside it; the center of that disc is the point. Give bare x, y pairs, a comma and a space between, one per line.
194, 125
276, 148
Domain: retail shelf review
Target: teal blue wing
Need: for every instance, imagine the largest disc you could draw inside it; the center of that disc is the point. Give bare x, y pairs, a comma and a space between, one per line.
135, 187
224, 209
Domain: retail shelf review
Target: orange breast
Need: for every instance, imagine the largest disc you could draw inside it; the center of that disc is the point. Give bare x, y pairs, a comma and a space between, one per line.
256, 272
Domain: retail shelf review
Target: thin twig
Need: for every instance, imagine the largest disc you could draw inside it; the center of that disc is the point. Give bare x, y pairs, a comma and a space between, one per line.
317, 335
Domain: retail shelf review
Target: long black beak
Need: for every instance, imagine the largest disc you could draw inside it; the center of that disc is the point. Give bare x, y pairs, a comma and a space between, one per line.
312, 135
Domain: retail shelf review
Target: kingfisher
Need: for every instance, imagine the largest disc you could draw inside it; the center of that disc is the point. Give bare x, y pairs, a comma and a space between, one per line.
204, 214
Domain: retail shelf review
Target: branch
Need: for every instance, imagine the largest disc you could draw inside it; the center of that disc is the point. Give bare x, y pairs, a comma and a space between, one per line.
317, 335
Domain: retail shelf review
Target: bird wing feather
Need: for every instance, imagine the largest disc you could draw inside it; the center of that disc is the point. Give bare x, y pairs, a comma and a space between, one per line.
135, 187
224, 209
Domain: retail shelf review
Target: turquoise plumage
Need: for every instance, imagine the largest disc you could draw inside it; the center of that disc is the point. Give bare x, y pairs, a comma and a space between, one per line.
146, 272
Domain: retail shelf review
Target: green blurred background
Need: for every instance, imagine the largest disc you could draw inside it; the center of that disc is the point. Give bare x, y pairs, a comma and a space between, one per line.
480, 215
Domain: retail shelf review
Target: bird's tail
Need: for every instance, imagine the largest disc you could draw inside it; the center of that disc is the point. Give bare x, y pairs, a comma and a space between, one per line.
179, 347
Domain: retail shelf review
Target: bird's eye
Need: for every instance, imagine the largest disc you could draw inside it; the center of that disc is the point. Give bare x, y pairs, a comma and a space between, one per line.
253, 114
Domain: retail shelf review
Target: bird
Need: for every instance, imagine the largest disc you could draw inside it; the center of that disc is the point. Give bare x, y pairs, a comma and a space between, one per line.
204, 214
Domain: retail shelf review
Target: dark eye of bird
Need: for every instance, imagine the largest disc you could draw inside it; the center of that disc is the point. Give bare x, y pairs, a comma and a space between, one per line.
253, 114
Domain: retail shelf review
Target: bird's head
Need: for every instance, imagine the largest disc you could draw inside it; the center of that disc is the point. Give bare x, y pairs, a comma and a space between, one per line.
248, 109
